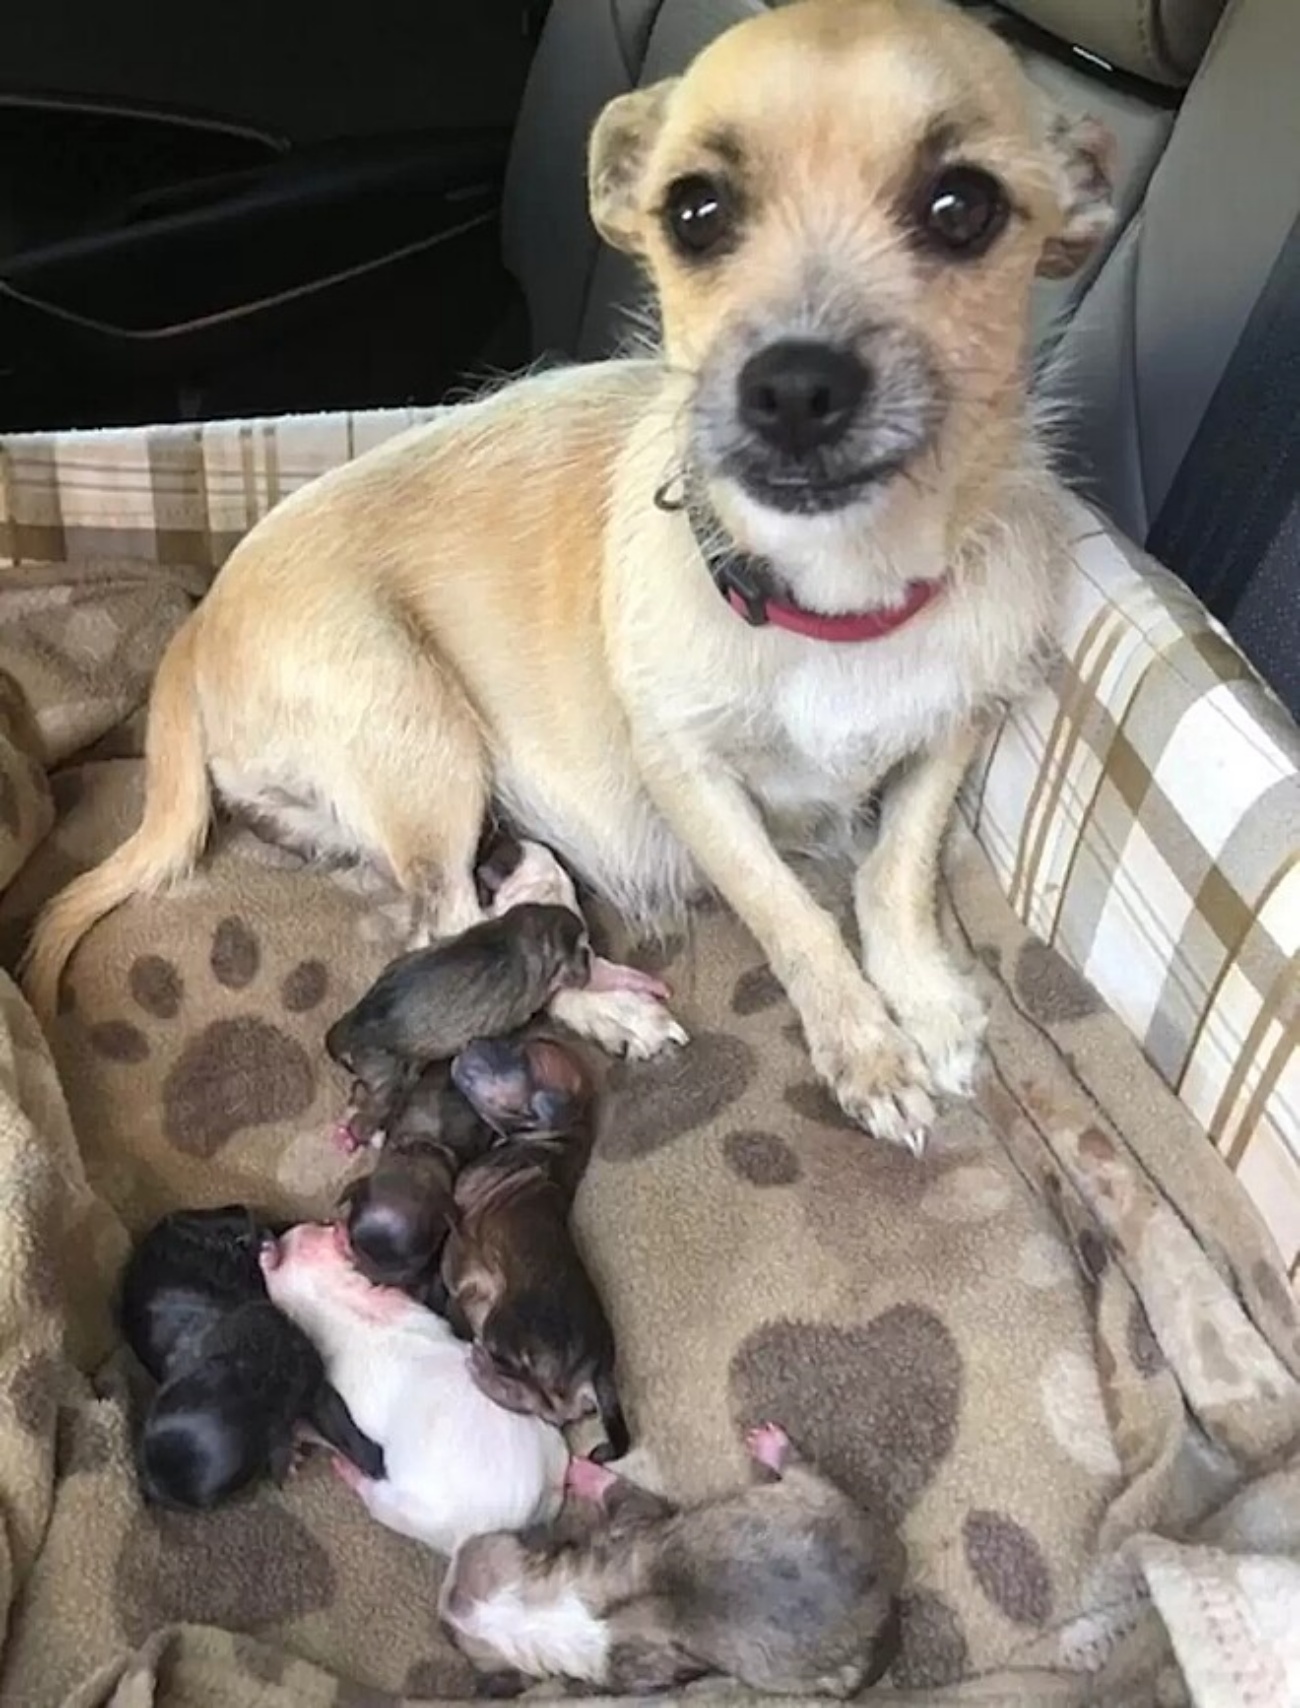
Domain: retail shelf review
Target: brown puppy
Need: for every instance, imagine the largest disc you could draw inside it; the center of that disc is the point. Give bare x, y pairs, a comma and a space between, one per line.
513, 1276
398, 1215
787, 1587
430, 1003
679, 613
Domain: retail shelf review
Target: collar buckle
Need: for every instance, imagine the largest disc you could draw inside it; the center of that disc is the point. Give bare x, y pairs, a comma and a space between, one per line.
740, 585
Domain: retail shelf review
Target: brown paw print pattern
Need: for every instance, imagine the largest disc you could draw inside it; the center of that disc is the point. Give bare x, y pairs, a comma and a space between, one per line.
933, 1649
923, 1329
232, 1073
652, 1104
876, 1407
919, 1328
245, 1567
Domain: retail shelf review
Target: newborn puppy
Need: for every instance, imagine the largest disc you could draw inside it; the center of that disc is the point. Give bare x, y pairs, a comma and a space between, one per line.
430, 1003
455, 1464
513, 1276
229, 1413
188, 1272
786, 1587
238, 1379
398, 1215
620, 1008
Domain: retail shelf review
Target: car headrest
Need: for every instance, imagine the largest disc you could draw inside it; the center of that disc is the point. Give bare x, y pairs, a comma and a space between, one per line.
1161, 40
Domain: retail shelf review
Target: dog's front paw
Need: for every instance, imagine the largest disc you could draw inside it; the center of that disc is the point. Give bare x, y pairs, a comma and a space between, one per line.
628, 1023
877, 1074
886, 1093
950, 1035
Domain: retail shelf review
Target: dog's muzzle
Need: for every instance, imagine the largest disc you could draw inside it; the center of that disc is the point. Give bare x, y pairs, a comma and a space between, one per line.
809, 424
799, 397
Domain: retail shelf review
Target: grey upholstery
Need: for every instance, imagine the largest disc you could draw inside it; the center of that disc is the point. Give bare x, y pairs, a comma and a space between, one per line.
578, 292
1149, 343
1162, 40
1141, 129
591, 50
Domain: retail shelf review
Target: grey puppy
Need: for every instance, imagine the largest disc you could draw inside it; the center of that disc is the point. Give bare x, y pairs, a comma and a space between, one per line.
787, 1587
429, 1004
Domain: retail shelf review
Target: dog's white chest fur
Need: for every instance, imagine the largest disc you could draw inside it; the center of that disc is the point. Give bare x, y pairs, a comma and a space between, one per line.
810, 727
830, 726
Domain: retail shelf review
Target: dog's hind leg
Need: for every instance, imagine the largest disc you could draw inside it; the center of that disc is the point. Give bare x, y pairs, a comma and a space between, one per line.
426, 795
397, 776
433, 863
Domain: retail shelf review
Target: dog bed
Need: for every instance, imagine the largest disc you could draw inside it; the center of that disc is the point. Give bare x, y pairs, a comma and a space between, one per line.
1060, 1350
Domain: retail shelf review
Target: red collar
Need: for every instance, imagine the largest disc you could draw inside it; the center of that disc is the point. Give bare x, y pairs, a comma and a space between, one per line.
743, 581
815, 625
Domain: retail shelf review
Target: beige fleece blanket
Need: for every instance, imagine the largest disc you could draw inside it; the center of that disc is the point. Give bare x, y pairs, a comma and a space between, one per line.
1059, 1350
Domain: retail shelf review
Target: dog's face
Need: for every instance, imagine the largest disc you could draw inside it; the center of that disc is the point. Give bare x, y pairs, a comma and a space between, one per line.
843, 204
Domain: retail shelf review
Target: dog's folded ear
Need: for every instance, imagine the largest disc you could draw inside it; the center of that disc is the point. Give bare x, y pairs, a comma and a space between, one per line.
620, 144
1082, 152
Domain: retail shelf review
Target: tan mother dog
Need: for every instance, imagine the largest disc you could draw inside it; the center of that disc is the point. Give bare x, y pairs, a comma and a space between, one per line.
676, 612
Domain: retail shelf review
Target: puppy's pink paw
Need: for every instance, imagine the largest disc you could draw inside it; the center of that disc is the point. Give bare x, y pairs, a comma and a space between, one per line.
304, 1448
344, 1136
268, 1254
768, 1444
586, 1480
611, 975
346, 1472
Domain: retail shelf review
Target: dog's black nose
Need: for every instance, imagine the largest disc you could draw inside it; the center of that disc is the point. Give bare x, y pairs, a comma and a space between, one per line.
799, 395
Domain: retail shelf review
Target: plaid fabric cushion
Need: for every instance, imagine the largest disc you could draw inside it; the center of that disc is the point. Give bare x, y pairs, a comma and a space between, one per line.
179, 496
1143, 815
1143, 812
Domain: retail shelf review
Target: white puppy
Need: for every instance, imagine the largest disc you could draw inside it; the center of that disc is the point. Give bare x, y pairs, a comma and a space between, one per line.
457, 1464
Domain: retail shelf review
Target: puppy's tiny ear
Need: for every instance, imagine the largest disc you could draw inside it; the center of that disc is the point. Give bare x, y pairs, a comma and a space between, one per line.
616, 155
497, 861
1082, 151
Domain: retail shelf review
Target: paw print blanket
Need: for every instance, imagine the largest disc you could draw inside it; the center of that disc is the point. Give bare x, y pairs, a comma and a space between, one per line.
1059, 1350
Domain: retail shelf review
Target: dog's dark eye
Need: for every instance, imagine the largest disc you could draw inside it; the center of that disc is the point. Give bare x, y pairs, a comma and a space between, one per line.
699, 214
963, 210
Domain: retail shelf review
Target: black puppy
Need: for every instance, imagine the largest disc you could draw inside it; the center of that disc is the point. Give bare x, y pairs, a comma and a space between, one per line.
398, 1215
228, 1415
514, 1279
237, 1378
191, 1269
428, 1004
